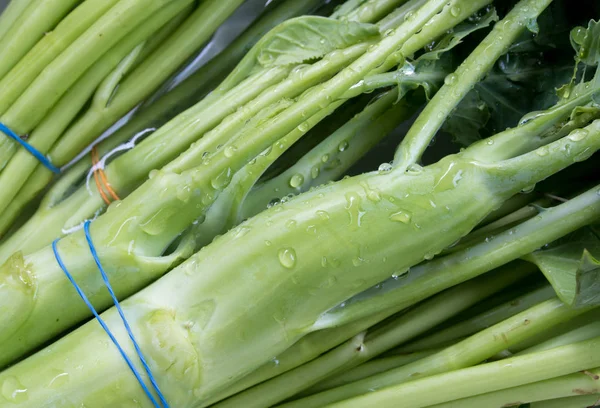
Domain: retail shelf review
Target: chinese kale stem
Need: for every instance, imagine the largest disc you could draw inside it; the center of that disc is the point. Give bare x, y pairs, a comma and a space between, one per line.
376, 341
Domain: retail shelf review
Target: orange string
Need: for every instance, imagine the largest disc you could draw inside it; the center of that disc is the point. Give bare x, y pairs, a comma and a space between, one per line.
101, 179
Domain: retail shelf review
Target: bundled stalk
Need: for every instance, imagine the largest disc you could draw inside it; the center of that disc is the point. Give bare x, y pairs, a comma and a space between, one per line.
332, 274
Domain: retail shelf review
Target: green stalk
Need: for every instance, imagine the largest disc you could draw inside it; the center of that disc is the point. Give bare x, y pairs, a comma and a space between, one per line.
556, 332
432, 277
140, 84
373, 11
482, 321
571, 385
48, 48
153, 221
504, 223
459, 83
11, 13
469, 352
576, 335
31, 21
331, 158
368, 369
579, 401
34, 102
153, 116
378, 340
99, 80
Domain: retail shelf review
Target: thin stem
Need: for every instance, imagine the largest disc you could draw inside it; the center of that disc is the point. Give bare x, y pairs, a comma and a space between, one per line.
147, 77
469, 352
31, 20
576, 335
482, 321
368, 369
331, 158
579, 401
33, 99
560, 387
11, 14
22, 164
458, 84
373, 11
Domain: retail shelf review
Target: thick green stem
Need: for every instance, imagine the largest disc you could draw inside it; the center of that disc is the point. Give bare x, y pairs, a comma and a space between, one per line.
560, 387
153, 221
350, 354
469, 352
430, 278
458, 84
32, 20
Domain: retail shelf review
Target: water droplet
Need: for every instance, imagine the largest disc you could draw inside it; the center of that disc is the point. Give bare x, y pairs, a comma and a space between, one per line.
304, 127
13, 390
312, 229
291, 224
584, 155
183, 193
450, 79
528, 189
287, 257
61, 378
578, 35
153, 173
578, 135
357, 261
414, 169
268, 243
324, 215
409, 16
343, 146
222, 180
490, 142
389, 32
385, 167
314, 172
296, 180
401, 216
273, 202
325, 158
457, 177
455, 11
229, 151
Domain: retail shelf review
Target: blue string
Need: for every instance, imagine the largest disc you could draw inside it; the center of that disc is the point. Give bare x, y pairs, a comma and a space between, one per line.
32, 150
105, 327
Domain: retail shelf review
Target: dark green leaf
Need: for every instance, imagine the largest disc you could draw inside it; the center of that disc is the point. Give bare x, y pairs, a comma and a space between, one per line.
571, 265
309, 37
465, 122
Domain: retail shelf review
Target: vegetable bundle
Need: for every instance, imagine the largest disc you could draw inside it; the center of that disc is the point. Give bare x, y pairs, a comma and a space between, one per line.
256, 262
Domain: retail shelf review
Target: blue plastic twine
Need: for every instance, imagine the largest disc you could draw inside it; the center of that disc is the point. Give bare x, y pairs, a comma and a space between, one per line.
32, 150
86, 228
